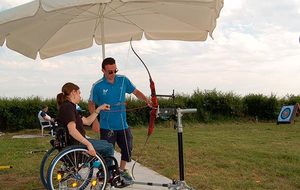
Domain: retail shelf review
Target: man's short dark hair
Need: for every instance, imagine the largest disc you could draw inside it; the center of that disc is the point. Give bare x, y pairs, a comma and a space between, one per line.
108, 61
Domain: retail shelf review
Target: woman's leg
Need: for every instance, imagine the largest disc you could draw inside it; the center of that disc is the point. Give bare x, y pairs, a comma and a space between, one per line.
103, 147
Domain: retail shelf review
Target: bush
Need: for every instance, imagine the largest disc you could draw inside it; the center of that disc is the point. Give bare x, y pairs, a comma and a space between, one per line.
261, 107
213, 105
18, 113
290, 100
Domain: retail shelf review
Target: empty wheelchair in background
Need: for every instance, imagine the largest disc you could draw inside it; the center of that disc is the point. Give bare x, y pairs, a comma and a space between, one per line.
67, 166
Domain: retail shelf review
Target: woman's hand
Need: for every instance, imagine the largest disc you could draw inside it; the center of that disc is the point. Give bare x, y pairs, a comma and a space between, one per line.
103, 107
91, 150
76, 135
90, 119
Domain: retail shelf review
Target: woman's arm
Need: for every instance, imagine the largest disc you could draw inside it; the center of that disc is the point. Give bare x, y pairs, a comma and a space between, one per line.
76, 135
89, 120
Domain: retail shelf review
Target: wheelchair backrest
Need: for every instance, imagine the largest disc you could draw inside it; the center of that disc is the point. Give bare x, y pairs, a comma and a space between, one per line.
61, 138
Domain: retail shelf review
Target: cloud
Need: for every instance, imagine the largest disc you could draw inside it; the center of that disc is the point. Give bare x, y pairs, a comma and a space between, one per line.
255, 50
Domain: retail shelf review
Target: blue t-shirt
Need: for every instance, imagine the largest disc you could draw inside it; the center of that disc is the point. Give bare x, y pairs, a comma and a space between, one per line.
113, 94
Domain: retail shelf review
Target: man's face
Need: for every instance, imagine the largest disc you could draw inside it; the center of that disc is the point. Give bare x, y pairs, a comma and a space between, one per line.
110, 72
45, 109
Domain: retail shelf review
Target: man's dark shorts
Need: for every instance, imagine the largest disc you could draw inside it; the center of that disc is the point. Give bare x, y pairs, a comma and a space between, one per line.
123, 138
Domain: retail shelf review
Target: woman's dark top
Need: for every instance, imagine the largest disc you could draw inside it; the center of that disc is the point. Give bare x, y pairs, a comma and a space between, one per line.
67, 113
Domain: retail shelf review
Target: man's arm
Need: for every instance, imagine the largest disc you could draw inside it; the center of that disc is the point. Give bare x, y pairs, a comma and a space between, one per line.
47, 117
95, 125
141, 96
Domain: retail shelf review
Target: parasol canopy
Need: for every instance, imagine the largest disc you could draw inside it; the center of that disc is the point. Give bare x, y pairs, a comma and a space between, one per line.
55, 27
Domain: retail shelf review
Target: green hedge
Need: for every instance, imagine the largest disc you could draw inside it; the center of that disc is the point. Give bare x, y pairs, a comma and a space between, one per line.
212, 106
260, 106
20, 113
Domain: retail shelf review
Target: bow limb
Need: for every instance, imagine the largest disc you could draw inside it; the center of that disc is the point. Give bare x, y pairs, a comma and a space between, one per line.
153, 112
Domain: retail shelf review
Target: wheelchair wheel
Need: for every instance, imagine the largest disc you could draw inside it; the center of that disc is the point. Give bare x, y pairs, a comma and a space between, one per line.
74, 168
48, 157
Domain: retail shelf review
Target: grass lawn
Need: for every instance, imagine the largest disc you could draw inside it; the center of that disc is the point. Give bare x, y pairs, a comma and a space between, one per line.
217, 156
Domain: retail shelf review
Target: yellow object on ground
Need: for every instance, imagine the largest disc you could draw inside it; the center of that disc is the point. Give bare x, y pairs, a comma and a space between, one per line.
5, 167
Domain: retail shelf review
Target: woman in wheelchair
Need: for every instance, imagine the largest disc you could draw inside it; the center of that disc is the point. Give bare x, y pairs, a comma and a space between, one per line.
81, 163
69, 117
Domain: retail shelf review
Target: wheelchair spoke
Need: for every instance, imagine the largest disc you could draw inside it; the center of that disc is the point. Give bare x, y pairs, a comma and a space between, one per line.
75, 168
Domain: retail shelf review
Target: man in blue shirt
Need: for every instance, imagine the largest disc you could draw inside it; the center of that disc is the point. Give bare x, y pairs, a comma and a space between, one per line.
111, 89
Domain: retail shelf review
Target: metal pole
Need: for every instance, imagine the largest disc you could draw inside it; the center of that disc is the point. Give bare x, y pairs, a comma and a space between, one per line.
102, 31
180, 156
180, 113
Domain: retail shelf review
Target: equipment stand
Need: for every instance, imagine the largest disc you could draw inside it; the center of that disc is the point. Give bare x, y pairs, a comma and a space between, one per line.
181, 183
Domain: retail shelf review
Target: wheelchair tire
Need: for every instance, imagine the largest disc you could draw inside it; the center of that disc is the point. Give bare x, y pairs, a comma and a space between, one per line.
74, 168
48, 157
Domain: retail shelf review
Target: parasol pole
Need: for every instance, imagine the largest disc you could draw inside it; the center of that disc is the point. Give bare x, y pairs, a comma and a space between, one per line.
102, 29
102, 34
102, 38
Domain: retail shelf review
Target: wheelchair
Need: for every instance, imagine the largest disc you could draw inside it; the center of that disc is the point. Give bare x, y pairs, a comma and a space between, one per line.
67, 166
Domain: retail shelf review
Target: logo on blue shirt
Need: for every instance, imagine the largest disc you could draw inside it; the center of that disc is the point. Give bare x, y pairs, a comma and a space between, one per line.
104, 92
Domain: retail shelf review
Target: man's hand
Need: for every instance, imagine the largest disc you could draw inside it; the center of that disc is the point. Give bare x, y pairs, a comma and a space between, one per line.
149, 103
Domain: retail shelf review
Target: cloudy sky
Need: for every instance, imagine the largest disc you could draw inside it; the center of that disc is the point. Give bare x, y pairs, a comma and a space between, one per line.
255, 49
